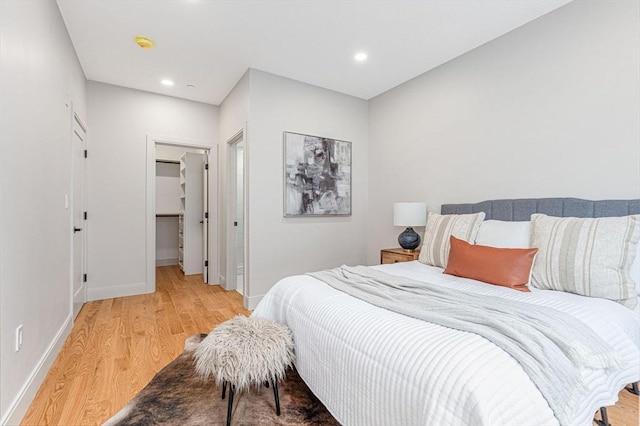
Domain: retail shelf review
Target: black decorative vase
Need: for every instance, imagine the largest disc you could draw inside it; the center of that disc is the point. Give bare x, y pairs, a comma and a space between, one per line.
409, 239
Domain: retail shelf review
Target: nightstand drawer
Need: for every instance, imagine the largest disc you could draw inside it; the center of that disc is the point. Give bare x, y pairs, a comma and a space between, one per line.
398, 255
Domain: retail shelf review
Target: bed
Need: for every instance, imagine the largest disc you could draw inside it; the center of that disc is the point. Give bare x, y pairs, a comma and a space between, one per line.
372, 366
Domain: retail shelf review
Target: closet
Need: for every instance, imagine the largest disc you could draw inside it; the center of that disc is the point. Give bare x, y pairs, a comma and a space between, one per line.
167, 209
179, 209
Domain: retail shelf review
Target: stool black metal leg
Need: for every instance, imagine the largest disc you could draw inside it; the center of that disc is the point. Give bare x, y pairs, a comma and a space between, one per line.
275, 395
605, 418
230, 406
224, 388
634, 388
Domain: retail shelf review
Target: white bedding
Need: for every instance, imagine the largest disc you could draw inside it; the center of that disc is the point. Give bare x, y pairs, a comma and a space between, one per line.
371, 366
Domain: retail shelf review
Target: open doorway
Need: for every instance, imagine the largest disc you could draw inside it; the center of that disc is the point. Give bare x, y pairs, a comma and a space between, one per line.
179, 208
236, 227
181, 201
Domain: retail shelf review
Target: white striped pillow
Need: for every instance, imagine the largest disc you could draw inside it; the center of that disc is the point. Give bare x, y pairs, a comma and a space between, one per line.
586, 256
436, 245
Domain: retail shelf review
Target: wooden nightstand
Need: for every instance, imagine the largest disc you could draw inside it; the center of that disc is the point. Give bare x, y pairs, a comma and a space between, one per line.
396, 255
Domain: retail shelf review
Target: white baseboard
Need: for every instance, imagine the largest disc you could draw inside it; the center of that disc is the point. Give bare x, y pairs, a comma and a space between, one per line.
101, 293
250, 303
19, 406
167, 262
222, 281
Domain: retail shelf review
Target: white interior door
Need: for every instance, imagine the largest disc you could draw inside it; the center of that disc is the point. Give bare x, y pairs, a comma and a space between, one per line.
79, 216
235, 270
239, 147
205, 218
193, 212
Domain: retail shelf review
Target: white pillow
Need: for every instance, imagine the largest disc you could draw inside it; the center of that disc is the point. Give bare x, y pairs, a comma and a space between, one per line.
635, 270
498, 233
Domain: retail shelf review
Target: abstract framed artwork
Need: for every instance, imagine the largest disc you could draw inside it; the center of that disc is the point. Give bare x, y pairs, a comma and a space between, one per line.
317, 176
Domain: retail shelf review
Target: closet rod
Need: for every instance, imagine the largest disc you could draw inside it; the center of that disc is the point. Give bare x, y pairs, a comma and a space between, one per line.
168, 161
167, 215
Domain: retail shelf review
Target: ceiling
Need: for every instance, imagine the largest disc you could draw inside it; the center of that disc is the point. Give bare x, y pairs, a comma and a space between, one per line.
210, 44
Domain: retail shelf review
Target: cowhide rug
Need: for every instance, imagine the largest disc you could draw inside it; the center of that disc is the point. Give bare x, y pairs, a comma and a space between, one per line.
177, 396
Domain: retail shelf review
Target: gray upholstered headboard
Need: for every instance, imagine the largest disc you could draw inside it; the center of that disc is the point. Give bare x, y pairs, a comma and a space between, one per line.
522, 209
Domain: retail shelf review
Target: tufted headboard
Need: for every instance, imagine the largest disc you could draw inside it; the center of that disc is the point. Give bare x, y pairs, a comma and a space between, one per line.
522, 209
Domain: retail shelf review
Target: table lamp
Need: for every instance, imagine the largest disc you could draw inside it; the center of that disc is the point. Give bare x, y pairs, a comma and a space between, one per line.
409, 215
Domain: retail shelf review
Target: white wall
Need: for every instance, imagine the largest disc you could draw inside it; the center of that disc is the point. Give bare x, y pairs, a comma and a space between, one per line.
172, 153
167, 188
167, 240
550, 109
39, 77
121, 120
280, 246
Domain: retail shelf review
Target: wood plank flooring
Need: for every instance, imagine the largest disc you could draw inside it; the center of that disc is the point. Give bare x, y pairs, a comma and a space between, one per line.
117, 346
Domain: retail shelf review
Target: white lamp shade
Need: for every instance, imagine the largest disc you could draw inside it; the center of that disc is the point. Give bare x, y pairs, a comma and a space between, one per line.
410, 214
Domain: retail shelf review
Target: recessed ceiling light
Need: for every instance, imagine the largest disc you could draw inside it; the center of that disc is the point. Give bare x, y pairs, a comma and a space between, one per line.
360, 56
167, 82
144, 42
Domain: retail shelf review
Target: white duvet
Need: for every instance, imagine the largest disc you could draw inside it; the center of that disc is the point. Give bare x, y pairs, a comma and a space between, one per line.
371, 366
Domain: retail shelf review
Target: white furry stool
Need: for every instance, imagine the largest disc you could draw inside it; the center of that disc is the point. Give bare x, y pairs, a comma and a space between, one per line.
245, 351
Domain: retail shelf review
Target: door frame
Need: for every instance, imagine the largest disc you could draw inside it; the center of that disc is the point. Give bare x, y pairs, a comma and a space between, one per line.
75, 118
211, 149
231, 237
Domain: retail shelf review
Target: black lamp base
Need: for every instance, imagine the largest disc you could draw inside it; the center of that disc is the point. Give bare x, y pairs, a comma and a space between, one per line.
409, 239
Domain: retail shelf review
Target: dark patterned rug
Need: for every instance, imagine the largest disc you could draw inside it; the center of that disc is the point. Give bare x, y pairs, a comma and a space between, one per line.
176, 396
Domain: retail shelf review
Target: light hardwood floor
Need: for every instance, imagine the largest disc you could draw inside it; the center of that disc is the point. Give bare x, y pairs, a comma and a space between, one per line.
117, 346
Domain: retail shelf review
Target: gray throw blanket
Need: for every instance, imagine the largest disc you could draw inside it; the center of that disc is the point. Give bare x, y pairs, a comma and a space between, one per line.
552, 347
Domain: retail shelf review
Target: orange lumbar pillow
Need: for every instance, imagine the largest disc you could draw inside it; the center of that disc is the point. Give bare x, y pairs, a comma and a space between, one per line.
508, 267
